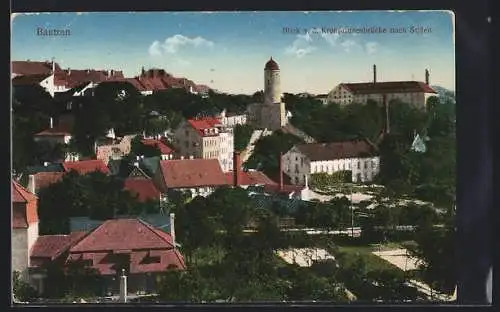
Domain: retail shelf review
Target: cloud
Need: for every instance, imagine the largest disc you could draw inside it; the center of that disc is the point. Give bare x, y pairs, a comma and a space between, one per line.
301, 46
371, 47
155, 48
349, 45
173, 44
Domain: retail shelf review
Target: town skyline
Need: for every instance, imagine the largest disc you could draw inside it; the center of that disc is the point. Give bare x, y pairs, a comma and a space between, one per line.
228, 51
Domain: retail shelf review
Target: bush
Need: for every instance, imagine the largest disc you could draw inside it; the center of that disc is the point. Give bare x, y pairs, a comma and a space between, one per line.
323, 180
22, 291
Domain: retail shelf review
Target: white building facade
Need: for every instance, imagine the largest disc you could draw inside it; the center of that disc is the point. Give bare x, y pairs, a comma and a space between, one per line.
226, 146
303, 160
414, 93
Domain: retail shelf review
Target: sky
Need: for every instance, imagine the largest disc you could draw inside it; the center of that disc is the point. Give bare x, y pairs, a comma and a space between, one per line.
228, 50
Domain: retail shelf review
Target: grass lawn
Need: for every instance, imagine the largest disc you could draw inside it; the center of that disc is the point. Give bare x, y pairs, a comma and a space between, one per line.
373, 262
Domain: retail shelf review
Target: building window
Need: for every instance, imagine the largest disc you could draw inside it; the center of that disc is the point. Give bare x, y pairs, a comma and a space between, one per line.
187, 144
359, 165
186, 132
302, 161
366, 165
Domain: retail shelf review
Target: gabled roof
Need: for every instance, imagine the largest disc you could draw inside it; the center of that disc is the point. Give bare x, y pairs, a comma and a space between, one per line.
20, 194
388, 87
164, 149
145, 189
336, 150
187, 173
52, 246
24, 209
201, 124
123, 234
86, 166
249, 178
33, 68
29, 80
58, 130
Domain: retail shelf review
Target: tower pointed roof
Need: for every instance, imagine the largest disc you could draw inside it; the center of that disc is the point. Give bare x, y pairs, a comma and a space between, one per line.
271, 65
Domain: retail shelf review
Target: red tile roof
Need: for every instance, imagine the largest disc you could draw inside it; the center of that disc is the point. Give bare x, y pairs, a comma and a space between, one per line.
45, 179
51, 246
59, 130
21, 194
29, 80
24, 207
143, 188
388, 87
164, 149
202, 124
27, 68
249, 178
336, 150
187, 173
123, 234
86, 166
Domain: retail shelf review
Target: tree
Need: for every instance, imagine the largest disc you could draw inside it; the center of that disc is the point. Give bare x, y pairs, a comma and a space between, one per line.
21, 290
387, 218
242, 134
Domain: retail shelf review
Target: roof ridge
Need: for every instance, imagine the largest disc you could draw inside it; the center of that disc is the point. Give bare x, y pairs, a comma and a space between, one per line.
153, 229
17, 184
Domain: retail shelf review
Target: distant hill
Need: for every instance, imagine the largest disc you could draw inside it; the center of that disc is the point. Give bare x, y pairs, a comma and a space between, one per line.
445, 93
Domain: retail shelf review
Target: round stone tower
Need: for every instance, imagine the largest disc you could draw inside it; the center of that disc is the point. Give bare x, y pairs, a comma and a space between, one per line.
272, 90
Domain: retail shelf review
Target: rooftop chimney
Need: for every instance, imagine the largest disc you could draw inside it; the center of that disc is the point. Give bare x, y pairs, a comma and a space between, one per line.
427, 77
31, 183
281, 170
45, 163
236, 168
51, 122
69, 71
374, 73
172, 228
182, 157
191, 157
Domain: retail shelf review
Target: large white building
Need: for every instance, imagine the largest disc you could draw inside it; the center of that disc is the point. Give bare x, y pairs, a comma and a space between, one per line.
206, 138
272, 113
232, 119
356, 156
415, 93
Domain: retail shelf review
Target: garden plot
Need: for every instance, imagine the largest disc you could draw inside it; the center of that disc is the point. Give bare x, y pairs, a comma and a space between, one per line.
399, 258
304, 257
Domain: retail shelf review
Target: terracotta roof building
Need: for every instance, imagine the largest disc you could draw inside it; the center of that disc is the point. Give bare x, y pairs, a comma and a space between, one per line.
357, 158
143, 188
30, 68
24, 227
86, 166
132, 245
207, 138
200, 176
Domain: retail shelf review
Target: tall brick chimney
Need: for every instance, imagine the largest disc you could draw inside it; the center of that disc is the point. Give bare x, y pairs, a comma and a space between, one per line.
374, 73
281, 170
236, 168
427, 77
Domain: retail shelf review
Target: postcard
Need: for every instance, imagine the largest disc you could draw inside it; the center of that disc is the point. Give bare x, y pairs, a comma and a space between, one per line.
233, 157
